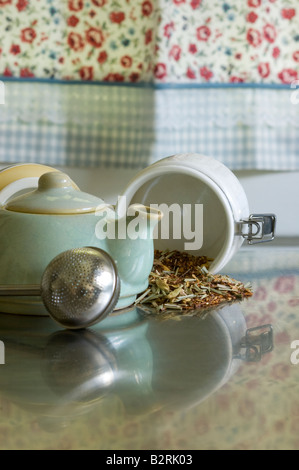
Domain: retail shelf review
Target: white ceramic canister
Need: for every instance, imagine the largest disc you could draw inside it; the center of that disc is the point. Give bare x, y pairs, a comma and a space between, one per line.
210, 196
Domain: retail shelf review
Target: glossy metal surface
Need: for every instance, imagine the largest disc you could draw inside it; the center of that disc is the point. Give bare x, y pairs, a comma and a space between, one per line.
229, 380
79, 287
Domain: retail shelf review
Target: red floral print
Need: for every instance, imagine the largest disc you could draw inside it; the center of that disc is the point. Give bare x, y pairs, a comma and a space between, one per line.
195, 4
75, 41
264, 69
15, 49
192, 48
117, 17
280, 371
95, 37
296, 56
146, 8
235, 79
251, 17
99, 3
22, 5
276, 52
98, 32
175, 52
246, 409
73, 21
126, 61
168, 29
269, 33
134, 77
102, 57
7, 72
148, 37
284, 284
271, 306
287, 76
160, 71
282, 338
26, 73
75, 5
86, 73
190, 73
260, 293
114, 77
202, 426
254, 3
28, 35
254, 37
206, 73
288, 13
203, 33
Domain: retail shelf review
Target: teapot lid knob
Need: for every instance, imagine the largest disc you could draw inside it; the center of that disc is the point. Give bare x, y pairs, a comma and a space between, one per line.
54, 179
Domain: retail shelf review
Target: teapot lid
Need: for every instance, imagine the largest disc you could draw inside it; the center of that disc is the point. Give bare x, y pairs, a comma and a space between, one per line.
56, 194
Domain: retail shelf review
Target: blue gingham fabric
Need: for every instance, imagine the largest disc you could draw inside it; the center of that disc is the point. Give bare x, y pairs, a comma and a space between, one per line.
79, 125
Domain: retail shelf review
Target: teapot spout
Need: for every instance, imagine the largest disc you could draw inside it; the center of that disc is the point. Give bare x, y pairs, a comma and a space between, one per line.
146, 219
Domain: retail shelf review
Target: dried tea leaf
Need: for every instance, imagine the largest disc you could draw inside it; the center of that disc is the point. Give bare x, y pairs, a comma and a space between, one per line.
174, 293
170, 288
162, 284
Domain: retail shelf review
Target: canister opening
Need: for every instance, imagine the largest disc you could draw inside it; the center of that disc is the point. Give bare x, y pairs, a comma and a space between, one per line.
198, 214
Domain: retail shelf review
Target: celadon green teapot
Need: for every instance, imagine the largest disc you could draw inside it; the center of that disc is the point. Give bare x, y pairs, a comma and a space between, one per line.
41, 223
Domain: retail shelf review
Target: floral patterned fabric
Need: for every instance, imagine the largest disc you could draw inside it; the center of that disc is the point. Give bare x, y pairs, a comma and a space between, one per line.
77, 39
228, 41
166, 41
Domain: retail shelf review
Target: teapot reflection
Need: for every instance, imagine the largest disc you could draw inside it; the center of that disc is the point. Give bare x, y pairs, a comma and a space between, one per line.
145, 363
60, 375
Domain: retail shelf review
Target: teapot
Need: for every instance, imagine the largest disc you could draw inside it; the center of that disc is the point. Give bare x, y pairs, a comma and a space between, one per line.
56, 216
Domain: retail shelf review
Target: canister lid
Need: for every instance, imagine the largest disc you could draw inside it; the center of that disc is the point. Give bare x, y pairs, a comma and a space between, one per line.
56, 194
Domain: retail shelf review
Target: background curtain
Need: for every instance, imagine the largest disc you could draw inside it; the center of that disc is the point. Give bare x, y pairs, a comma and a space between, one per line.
104, 82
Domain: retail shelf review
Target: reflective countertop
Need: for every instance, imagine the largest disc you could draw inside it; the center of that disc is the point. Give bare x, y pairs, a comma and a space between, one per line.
228, 379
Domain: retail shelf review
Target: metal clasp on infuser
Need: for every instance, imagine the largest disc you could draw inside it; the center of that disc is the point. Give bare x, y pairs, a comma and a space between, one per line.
261, 228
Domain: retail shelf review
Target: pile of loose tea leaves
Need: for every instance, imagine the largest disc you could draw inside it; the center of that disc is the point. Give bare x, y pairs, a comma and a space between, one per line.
182, 282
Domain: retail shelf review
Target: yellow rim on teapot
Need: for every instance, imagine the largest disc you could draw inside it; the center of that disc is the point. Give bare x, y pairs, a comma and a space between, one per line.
21, 177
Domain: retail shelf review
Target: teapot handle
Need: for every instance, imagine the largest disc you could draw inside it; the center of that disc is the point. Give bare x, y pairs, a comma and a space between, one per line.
20, 178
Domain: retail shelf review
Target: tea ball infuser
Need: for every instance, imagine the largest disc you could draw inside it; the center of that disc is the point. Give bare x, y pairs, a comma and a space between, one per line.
79, 287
